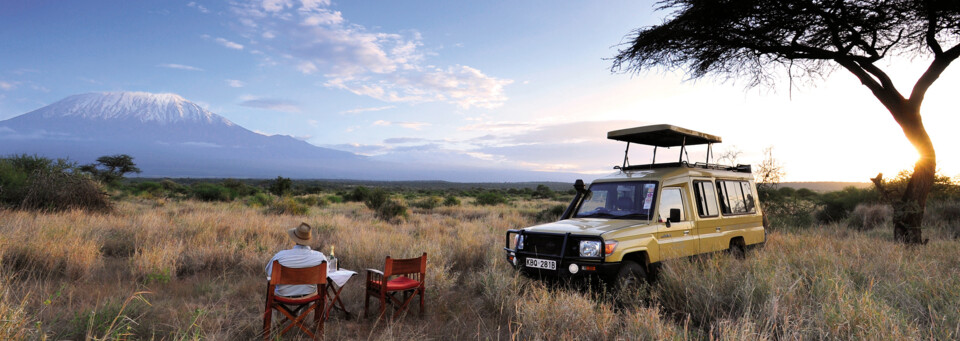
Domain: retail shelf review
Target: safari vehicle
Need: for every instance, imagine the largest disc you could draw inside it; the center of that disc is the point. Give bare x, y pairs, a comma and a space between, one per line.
627, 222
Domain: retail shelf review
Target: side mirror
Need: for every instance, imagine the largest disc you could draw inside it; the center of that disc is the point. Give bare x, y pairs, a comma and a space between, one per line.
674, 214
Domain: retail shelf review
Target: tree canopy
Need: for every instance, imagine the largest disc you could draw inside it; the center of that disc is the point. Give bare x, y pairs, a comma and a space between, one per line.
759, 40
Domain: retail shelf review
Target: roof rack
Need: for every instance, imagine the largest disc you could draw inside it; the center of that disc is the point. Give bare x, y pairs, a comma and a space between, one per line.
666, 135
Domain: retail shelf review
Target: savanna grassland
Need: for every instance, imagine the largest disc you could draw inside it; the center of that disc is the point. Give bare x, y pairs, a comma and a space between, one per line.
153, 267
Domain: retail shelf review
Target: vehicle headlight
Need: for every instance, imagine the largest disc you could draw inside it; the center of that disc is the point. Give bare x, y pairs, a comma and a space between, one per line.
518, 241
589, 248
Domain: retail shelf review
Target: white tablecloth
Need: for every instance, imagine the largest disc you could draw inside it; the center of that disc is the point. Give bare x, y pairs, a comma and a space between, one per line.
340, 277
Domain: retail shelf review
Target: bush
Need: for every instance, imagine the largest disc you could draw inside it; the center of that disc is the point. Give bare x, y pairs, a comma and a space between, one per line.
313, 200
287, 205
869, 217
428, 203
392, 209
491, 198
150, 187
260, 199
280, 186
836, 205
543, 192
376, 198
551, 214
206, 191
358, 194
37, 183
451, 200
336, 199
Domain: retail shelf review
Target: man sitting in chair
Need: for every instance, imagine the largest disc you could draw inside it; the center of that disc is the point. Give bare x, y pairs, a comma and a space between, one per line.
300, 256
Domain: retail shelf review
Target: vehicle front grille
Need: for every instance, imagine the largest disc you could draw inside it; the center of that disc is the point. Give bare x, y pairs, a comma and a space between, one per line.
543, 244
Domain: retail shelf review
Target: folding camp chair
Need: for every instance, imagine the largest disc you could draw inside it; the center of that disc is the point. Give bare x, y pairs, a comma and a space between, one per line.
399, 276
295, 309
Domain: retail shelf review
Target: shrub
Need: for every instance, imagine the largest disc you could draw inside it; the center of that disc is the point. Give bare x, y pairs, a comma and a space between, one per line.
37, 183
376, 198
336, 199
543, 192
491, 198
238, 188
451, 200
260, 199
358, 194
392, 209
428, 203
280, 185
551, 214
287, 205
150, 187
869, 217
836, 205
206, 191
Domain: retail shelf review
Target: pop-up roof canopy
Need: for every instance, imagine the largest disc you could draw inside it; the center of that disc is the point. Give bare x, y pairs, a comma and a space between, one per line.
663, 135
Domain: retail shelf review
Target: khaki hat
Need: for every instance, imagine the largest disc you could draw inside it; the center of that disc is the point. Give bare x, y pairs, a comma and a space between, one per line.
300, 234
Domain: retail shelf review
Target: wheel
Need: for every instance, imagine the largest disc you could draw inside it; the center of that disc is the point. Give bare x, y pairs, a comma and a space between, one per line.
737, 249
631, 275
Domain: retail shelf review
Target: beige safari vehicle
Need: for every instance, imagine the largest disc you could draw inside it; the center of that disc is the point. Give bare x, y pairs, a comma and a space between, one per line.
626, 223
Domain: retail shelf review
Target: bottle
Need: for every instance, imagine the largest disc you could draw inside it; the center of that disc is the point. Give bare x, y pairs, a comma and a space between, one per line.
332, 262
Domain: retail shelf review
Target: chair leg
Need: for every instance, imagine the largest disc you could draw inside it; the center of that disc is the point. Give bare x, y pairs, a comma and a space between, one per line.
383, 303
421, 292
267, 319
366, 303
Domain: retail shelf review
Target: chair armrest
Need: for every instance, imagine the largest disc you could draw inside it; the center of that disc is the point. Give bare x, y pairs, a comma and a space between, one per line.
375, 271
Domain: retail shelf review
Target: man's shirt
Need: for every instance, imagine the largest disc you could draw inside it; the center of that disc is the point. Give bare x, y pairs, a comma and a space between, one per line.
299, 256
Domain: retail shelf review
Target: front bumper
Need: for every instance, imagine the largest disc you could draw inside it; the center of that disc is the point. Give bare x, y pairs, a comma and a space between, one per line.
569, 263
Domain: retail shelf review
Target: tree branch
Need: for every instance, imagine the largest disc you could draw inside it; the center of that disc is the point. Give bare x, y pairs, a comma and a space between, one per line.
933, 72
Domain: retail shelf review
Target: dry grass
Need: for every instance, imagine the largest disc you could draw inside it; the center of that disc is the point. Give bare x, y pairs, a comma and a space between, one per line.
73, 272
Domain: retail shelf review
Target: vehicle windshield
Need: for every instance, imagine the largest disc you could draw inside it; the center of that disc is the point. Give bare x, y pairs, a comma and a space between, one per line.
619, 200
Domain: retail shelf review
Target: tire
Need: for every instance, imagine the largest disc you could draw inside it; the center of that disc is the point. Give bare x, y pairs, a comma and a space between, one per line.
737, 249
631, 275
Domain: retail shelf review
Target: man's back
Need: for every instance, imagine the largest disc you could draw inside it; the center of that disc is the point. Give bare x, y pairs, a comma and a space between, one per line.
299, 256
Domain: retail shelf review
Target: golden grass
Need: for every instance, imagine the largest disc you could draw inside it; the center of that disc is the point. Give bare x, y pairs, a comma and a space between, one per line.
203, 263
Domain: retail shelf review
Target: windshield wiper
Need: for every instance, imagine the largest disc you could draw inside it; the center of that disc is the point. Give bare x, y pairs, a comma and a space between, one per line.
637, 216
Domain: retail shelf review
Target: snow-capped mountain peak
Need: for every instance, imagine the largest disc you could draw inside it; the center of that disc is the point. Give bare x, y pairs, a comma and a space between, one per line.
163, 108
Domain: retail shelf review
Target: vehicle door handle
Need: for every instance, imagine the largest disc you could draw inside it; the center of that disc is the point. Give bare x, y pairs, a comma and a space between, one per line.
665, 236
686, 233
718, 229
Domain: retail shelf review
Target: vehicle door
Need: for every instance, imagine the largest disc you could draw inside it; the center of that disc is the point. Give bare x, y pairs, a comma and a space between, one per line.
709, 224
677, 238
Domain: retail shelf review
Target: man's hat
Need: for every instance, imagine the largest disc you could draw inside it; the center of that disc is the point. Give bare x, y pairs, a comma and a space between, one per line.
300, 234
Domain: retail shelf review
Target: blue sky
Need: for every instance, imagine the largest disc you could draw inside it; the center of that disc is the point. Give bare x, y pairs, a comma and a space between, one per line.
519, 84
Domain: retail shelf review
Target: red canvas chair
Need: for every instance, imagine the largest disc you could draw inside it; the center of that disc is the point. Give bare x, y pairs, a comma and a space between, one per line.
399, 276
302, 306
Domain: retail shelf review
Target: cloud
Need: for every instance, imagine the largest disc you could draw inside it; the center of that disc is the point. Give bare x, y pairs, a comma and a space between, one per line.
233, 83
312, 38
360, 110
271, 104
199, 7
408, 125
180, 67
403, 140
4, 85
229, 44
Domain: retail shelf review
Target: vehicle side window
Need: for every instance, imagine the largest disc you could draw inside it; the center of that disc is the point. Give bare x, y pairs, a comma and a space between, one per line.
749, 198
706, 198
671, 198
736, 197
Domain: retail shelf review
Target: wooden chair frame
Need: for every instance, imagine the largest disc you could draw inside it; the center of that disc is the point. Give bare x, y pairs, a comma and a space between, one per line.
406, 276
303, 305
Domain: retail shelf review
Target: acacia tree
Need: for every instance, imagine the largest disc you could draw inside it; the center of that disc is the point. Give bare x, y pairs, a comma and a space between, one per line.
759, 40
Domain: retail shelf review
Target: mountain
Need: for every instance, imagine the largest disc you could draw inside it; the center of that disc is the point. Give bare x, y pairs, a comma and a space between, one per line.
169, 136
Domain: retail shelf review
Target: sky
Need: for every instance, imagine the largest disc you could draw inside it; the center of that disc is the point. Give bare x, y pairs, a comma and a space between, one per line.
513, 84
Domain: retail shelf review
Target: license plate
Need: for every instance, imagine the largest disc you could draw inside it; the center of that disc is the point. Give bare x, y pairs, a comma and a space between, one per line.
541, 263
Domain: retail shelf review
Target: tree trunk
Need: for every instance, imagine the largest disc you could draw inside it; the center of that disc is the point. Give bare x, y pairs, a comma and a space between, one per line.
908, 212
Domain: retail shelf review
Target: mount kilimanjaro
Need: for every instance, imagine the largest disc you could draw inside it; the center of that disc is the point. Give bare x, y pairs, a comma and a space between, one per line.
169, 136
